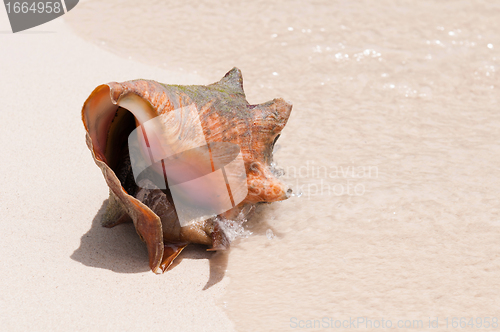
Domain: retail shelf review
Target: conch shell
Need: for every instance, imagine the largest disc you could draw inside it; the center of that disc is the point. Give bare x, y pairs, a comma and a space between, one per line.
231, 131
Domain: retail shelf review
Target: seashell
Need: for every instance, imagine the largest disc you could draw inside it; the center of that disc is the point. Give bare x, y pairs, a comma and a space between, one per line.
210, 125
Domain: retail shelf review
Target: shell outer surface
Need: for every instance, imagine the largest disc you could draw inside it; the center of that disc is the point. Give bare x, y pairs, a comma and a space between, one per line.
224, 115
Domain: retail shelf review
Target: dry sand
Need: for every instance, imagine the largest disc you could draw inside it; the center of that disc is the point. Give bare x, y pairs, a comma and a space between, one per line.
61, 271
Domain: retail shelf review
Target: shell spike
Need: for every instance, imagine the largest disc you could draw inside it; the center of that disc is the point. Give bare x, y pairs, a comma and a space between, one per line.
232, 82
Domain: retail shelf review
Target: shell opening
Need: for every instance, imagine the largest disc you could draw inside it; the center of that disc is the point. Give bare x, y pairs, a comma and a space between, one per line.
109, 124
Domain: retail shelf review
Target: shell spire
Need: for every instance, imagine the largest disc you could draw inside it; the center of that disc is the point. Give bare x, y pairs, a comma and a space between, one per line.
232, 82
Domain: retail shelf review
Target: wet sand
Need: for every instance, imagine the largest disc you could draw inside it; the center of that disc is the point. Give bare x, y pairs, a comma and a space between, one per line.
392, 144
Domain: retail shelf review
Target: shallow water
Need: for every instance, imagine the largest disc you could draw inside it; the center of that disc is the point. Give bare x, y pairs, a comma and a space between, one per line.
392, 146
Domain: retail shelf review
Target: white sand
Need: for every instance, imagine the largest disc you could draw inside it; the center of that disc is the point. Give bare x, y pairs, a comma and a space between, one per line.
60, 270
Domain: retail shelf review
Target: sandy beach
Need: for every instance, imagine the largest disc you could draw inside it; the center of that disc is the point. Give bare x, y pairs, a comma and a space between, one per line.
392, 150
